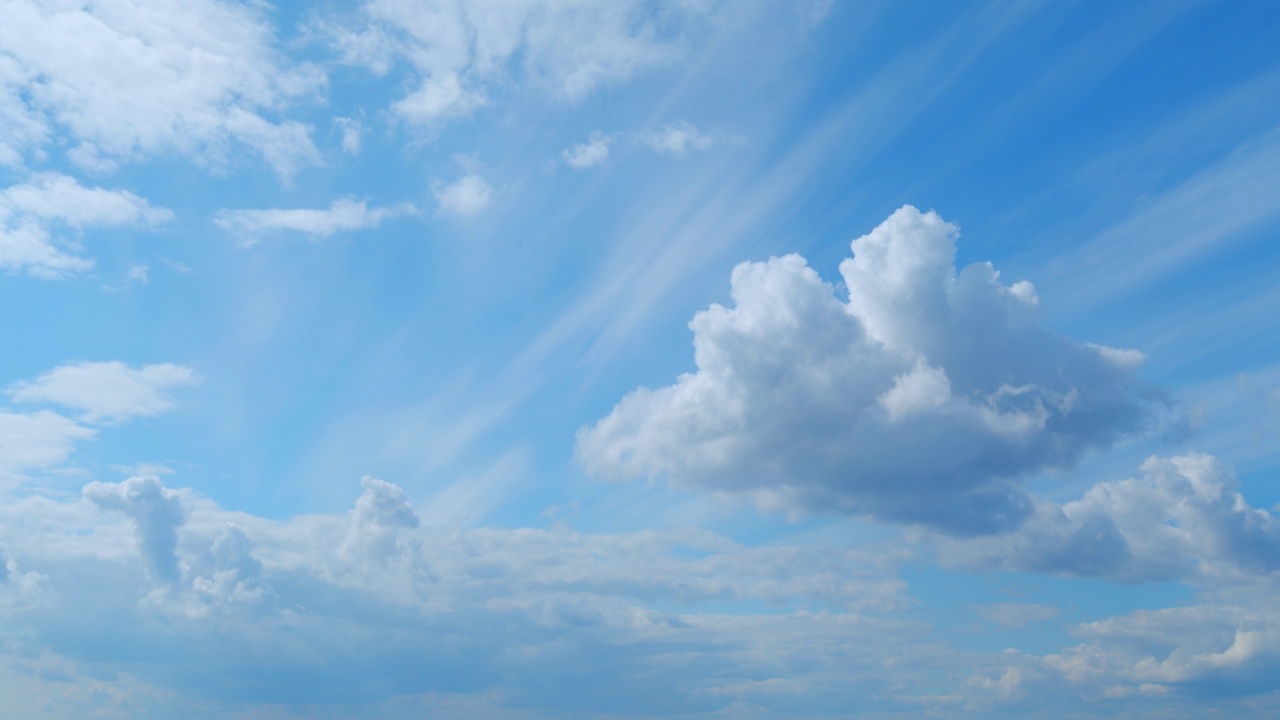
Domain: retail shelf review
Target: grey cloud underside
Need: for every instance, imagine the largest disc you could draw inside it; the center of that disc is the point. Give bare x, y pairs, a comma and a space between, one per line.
926, 397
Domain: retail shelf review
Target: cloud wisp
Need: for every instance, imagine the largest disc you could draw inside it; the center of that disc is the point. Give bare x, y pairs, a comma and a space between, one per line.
30, 212
342, 215
107, 391
925, 398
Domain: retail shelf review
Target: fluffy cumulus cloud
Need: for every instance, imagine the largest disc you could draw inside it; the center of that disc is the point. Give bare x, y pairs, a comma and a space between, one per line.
121, 80
925, 397
156, 514
461, 51
1182, 518
342, 215
107, 391
31, 212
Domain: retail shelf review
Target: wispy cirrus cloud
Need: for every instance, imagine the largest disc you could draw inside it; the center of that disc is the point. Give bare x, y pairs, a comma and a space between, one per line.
342, 215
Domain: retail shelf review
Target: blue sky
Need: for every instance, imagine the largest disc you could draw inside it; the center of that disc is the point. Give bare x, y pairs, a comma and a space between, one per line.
644, 359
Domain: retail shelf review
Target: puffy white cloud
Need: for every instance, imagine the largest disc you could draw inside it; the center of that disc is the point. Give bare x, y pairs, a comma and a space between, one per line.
30, 211
123, 79
343, 215
107, 391
460, 50
465, 198
593, 152
1184, 517
381, 512
925, 398
155, 512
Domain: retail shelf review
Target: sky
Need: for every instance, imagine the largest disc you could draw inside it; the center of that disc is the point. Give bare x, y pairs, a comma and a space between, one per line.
537, 359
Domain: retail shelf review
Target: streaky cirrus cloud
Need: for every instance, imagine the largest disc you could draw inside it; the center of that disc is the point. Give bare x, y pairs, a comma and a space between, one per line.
121, 81
107, 391
1182, 518
31, 211
925, 398
461, 52
343, 215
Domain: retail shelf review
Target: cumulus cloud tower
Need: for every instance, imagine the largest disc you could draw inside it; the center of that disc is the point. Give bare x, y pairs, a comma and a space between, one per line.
924, 398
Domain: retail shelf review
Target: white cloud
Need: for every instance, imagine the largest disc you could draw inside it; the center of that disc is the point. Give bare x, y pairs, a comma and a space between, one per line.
466, 197
121, 80
30, 211
107, 391
351, 129
460, 50
589, 154
679, 138
156, 514
342, 215
924, 399
1182, 518
37, 440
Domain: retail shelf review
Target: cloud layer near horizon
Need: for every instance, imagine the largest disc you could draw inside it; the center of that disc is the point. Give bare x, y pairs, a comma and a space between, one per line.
926, 397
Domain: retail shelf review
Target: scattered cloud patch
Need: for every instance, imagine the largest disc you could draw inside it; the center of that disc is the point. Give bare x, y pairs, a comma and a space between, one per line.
465, 197
31, 211
123, 81
460, 52
342, 215
107, 391
594, 152
351, 130
1183, 518
680, 138
924, 398
37, 440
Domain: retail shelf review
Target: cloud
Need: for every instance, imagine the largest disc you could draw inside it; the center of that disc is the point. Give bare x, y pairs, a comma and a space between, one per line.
460, 51
589, 154
1183, 518
156, 514
925, 398
30, 211
253, 601
679, 138
343, 215
464, 198
121, 81
37, 440
107, 391
351, 130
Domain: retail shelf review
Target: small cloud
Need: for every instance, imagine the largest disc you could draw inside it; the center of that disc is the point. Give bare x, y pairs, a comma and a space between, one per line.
679, 138
439, 97
343, 215
351, 129
464, 198
589, 154
107, 391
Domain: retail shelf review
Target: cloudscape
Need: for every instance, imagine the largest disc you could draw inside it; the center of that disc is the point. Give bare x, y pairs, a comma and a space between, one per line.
551, 359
